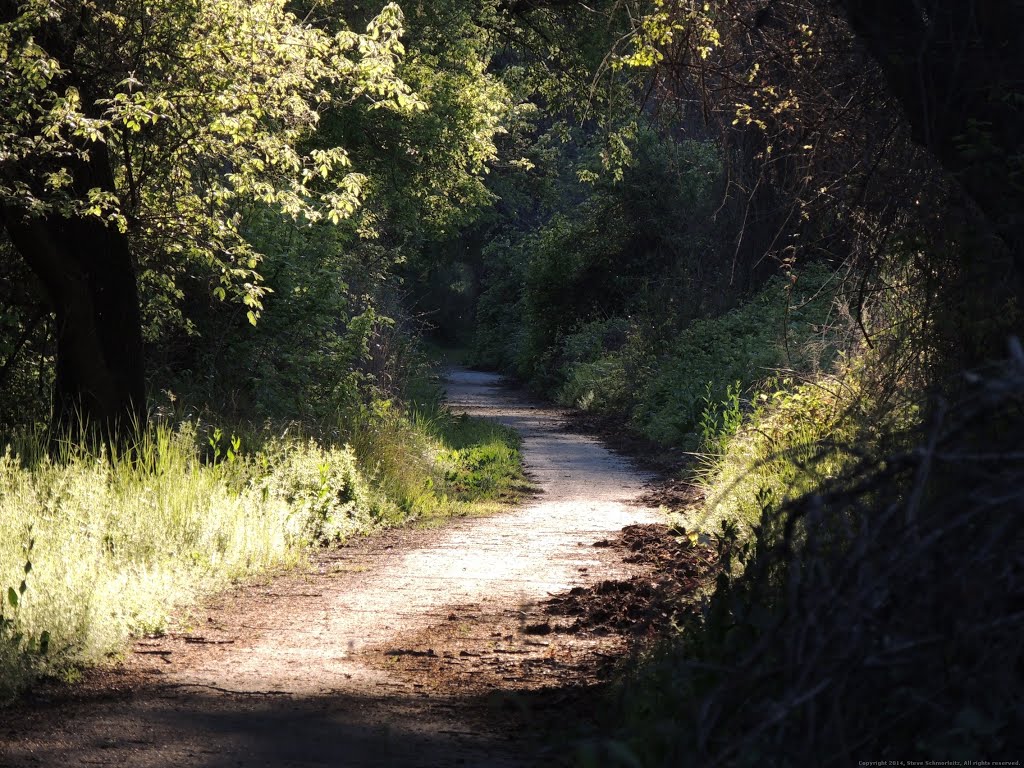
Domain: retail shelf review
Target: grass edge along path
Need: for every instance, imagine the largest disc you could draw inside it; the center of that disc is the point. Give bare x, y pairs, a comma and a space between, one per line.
94, 551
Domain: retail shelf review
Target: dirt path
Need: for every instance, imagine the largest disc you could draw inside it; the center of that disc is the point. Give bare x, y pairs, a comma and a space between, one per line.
413, 648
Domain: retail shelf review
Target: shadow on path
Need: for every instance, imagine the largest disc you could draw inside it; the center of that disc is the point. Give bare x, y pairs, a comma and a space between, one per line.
303, 670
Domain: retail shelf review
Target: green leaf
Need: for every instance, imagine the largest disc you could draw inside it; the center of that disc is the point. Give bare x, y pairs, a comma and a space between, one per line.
12, 597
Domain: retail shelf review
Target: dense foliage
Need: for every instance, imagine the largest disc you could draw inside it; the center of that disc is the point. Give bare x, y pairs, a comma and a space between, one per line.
782, 237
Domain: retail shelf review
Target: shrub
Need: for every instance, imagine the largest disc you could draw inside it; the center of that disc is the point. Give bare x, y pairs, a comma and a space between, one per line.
324, 491
875, 617
751, 343
595, 367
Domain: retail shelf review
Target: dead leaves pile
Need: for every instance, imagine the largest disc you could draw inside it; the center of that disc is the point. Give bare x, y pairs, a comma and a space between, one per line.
682, 572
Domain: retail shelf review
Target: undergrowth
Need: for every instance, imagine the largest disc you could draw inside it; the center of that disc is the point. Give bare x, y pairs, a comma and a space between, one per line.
868, 606
794, 438
874, 617
98, 548
434, 464
664, 393
787, 326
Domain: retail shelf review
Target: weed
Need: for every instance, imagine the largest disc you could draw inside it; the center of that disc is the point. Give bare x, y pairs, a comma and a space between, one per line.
118, 543
26, 651
720, 421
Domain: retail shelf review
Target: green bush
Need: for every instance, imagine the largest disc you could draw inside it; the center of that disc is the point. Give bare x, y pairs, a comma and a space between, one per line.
749, 344
595, 367
324, 489
600, 385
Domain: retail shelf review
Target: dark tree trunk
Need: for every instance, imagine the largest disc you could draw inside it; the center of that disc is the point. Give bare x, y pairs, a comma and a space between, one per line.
86, 270
957, 68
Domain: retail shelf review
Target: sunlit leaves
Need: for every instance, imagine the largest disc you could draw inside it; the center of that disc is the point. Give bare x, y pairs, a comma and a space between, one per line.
206, 109
662, 25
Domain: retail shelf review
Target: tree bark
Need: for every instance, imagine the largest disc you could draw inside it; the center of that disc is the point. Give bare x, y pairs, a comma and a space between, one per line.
87, 273
957, 68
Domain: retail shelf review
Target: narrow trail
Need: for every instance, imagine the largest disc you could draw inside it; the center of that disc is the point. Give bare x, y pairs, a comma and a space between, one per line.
388, 652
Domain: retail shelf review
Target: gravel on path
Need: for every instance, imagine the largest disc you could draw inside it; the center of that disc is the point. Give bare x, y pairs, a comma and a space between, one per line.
330, 666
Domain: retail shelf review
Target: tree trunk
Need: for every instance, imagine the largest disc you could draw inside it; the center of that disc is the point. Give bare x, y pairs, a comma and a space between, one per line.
87, 272
957, 66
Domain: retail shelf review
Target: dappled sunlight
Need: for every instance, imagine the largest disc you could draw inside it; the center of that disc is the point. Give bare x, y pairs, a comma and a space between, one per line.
585, 494
302, 653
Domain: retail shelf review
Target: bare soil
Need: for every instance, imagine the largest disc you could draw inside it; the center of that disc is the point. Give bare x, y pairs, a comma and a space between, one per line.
481, 643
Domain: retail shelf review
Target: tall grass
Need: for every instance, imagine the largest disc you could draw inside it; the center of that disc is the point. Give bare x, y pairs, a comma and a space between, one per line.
432, 464
776, 454
798, 436
118, 544
115, 545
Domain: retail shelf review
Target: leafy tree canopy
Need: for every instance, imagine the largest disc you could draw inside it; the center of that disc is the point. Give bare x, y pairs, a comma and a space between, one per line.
202, 108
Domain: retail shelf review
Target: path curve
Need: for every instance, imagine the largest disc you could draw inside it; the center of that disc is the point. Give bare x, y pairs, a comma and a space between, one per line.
282, 674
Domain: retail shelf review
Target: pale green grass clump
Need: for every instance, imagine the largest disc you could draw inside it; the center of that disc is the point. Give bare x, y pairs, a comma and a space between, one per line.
798, 438
433, 464
776, 455
115, 546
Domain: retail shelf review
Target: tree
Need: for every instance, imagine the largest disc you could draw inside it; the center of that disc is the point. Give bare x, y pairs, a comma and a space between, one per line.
133, 137
956, 67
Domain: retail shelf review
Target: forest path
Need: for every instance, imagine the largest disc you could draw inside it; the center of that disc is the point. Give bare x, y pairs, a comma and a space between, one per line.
393, 651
